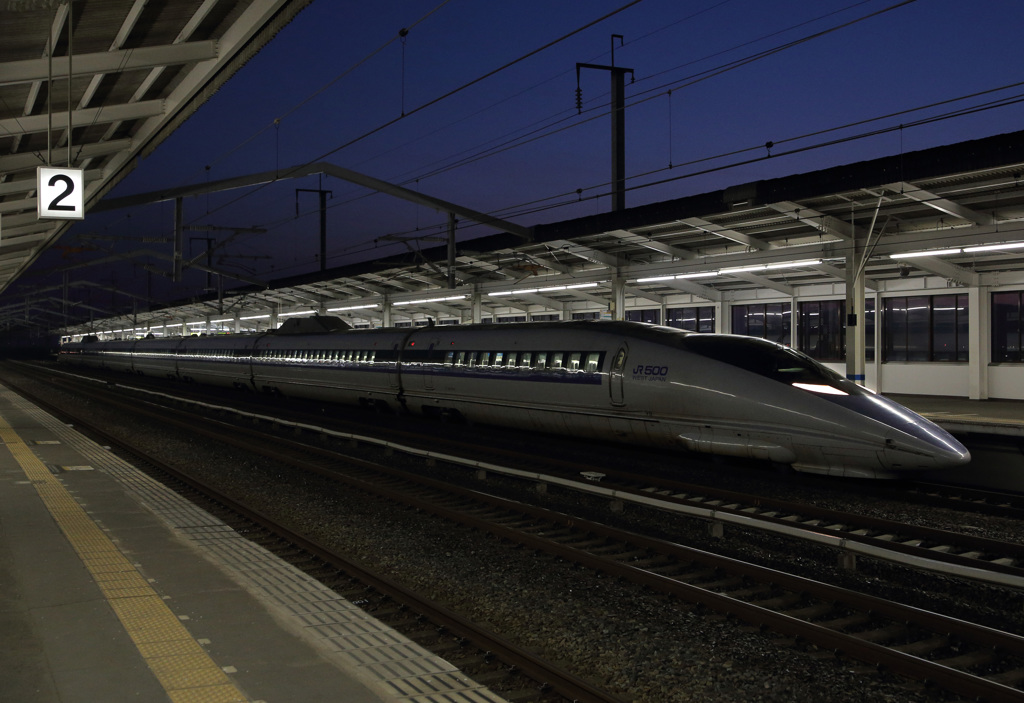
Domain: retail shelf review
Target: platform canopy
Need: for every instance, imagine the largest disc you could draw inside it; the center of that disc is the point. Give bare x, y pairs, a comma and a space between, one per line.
128, 75
942, 218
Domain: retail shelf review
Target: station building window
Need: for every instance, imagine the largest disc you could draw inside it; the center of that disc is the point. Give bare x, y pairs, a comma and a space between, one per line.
586, 316
822, 329
545, 318
1006, 327
769, 321
698, 319
512, 318
926, 328
652, 316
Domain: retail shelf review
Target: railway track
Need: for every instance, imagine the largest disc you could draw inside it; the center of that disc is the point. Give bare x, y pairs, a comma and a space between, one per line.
851, 534
484, 655
959, 498
962, 657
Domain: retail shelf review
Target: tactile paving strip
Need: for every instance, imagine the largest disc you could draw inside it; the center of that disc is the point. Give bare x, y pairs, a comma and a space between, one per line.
360, 643
182, 667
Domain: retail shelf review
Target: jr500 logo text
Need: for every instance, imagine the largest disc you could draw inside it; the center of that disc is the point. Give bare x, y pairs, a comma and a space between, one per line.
648, 372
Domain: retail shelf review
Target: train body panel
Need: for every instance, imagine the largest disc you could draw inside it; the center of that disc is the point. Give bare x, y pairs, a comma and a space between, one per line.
351, 367
156, 357
719, 394
219, 361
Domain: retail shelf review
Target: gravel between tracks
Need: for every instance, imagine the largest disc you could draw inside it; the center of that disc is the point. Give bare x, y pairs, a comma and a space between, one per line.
646, 647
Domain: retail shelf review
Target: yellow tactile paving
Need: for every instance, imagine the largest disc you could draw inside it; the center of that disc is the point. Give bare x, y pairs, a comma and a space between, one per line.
180, 665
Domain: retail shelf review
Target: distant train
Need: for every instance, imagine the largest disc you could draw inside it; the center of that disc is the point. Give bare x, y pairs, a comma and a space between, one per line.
633, 382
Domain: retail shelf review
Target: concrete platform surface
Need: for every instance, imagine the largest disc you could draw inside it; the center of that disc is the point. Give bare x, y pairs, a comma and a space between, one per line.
113, 588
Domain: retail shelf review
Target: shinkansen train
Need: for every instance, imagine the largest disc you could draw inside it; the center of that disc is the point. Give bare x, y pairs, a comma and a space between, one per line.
646, 384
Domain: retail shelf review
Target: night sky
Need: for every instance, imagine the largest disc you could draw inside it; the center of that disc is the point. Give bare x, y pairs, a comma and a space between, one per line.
715, 80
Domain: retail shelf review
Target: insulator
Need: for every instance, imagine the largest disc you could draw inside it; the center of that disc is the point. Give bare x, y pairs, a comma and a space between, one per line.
579, 99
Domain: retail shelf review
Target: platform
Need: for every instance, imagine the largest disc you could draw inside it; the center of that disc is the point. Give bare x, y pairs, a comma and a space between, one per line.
961, 416
113, 588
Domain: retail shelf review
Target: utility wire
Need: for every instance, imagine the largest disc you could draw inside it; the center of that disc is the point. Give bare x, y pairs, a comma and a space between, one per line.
440, 98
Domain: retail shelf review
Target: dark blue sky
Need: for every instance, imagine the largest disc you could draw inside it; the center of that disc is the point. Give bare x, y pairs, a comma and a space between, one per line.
321, 78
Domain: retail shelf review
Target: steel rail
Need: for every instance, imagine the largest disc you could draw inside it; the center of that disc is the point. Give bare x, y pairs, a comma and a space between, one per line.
958, 681
891, 541
571, 687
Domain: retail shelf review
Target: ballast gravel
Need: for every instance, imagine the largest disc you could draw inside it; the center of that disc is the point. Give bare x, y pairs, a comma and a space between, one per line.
645, 647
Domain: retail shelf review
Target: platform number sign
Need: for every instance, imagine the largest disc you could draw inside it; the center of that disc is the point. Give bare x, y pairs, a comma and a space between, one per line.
61, 193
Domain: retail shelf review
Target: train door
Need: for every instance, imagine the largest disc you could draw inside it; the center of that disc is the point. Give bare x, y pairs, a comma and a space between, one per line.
429, 367
395, 371
616, 376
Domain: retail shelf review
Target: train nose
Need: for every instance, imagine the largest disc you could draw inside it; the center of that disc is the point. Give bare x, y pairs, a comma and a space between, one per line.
912, 441
929, 452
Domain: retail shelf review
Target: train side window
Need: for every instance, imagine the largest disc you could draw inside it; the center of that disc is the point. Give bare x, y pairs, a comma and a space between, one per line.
449, 358
499, 358
619, 361
510, 360
485, 358
460, 358
593, 362
373, 356
526, 360
574, 361
541, 360
471, 359
556, 360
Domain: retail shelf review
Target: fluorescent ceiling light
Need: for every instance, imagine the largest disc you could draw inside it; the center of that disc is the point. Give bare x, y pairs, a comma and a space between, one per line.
742, 269
302, 312
933, 252
735, 269
353, 307
548, 289
701, 274
255, 317
429, 300
793, 264
994, 247
655, 279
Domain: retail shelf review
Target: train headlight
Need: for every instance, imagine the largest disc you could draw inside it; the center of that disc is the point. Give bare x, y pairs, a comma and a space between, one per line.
820, 388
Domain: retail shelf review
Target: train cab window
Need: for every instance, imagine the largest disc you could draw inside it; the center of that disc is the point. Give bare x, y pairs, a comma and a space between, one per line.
541, 360
526, 359
556, 360
499, 358
593, 362
574, 361
510, 359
